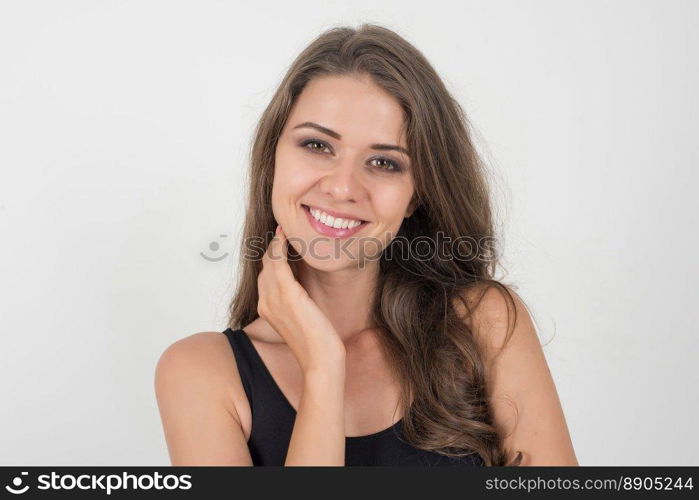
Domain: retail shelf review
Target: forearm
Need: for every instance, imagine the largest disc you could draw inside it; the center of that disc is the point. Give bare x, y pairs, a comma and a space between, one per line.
318, 437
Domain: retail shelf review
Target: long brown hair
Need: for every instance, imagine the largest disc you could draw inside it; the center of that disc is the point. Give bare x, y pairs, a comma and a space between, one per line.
429, 344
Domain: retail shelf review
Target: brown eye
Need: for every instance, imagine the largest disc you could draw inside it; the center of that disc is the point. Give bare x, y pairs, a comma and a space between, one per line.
392, 166
388, 165
314, 142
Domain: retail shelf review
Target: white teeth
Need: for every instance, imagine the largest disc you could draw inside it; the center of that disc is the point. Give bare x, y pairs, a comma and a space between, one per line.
337, 223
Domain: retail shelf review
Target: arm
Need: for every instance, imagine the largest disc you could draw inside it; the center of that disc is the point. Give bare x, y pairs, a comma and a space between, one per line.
522, 393
192, 385
318, 437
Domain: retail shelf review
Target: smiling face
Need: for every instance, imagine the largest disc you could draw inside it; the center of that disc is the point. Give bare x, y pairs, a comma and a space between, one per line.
342, 155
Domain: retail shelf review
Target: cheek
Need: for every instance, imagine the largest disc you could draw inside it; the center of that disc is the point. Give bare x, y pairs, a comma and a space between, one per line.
292, 179
391, 202
292, 176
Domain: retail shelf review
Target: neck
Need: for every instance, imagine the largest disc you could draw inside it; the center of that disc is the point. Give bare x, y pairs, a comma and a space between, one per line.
344, 296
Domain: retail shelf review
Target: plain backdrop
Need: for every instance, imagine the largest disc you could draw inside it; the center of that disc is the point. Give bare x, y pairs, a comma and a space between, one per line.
124, 136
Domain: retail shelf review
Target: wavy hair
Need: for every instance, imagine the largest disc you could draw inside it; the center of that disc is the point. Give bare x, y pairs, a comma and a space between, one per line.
427, 339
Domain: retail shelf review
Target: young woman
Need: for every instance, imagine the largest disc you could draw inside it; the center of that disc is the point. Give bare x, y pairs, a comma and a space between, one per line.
348, 343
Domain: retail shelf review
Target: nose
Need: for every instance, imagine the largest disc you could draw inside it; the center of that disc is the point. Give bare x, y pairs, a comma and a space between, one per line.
343, 182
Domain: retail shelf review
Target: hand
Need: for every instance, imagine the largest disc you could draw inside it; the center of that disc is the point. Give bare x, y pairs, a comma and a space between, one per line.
287, 307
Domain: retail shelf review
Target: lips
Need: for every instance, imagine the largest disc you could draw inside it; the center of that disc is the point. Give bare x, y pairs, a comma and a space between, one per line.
331, 231
335, 214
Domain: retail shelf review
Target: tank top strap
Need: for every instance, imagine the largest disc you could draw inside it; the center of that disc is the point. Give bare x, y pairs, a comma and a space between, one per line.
255, 376
272, 415
245, 358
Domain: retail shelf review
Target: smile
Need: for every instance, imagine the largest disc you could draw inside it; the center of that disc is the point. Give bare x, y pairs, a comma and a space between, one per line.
335, 227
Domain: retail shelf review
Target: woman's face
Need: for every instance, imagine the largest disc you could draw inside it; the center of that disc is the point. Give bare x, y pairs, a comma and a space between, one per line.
339, 154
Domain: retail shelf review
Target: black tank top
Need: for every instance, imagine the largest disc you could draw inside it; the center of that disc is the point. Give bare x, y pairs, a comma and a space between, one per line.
273, 420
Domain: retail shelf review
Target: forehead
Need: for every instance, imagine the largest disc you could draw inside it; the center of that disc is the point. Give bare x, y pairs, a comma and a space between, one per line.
353, 106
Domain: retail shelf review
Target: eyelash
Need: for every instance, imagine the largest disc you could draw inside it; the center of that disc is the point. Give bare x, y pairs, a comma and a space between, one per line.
395, 166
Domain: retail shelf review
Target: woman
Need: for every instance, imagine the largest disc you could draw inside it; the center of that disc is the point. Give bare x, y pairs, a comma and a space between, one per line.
347, 344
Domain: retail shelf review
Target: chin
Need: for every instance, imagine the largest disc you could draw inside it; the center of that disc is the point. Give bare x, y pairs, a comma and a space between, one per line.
330, 265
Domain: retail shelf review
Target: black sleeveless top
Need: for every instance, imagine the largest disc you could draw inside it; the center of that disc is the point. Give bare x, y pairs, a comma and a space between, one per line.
273, 420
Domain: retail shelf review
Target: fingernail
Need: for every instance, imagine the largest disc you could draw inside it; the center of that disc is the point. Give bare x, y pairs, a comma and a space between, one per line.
277, 230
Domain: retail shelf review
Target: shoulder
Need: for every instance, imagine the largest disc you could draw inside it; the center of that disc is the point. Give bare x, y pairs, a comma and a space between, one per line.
521, 390
197, 397
195, 352
201, 363
499, 320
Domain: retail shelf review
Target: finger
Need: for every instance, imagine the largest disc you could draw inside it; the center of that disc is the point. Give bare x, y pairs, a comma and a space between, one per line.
278, 249
269, 256
283, 243
285, 249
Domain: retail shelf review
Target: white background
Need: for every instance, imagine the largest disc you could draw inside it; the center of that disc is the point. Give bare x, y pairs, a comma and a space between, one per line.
124, 134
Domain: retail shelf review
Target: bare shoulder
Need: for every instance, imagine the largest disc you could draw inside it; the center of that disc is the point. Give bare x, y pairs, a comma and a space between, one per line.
198, 391
200, 352
201, 361
498, 319
521, 390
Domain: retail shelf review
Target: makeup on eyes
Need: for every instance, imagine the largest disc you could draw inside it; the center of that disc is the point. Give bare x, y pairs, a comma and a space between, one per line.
394, 166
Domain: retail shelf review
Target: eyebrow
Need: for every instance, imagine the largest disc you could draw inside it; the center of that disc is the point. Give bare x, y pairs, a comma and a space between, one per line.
332, 133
